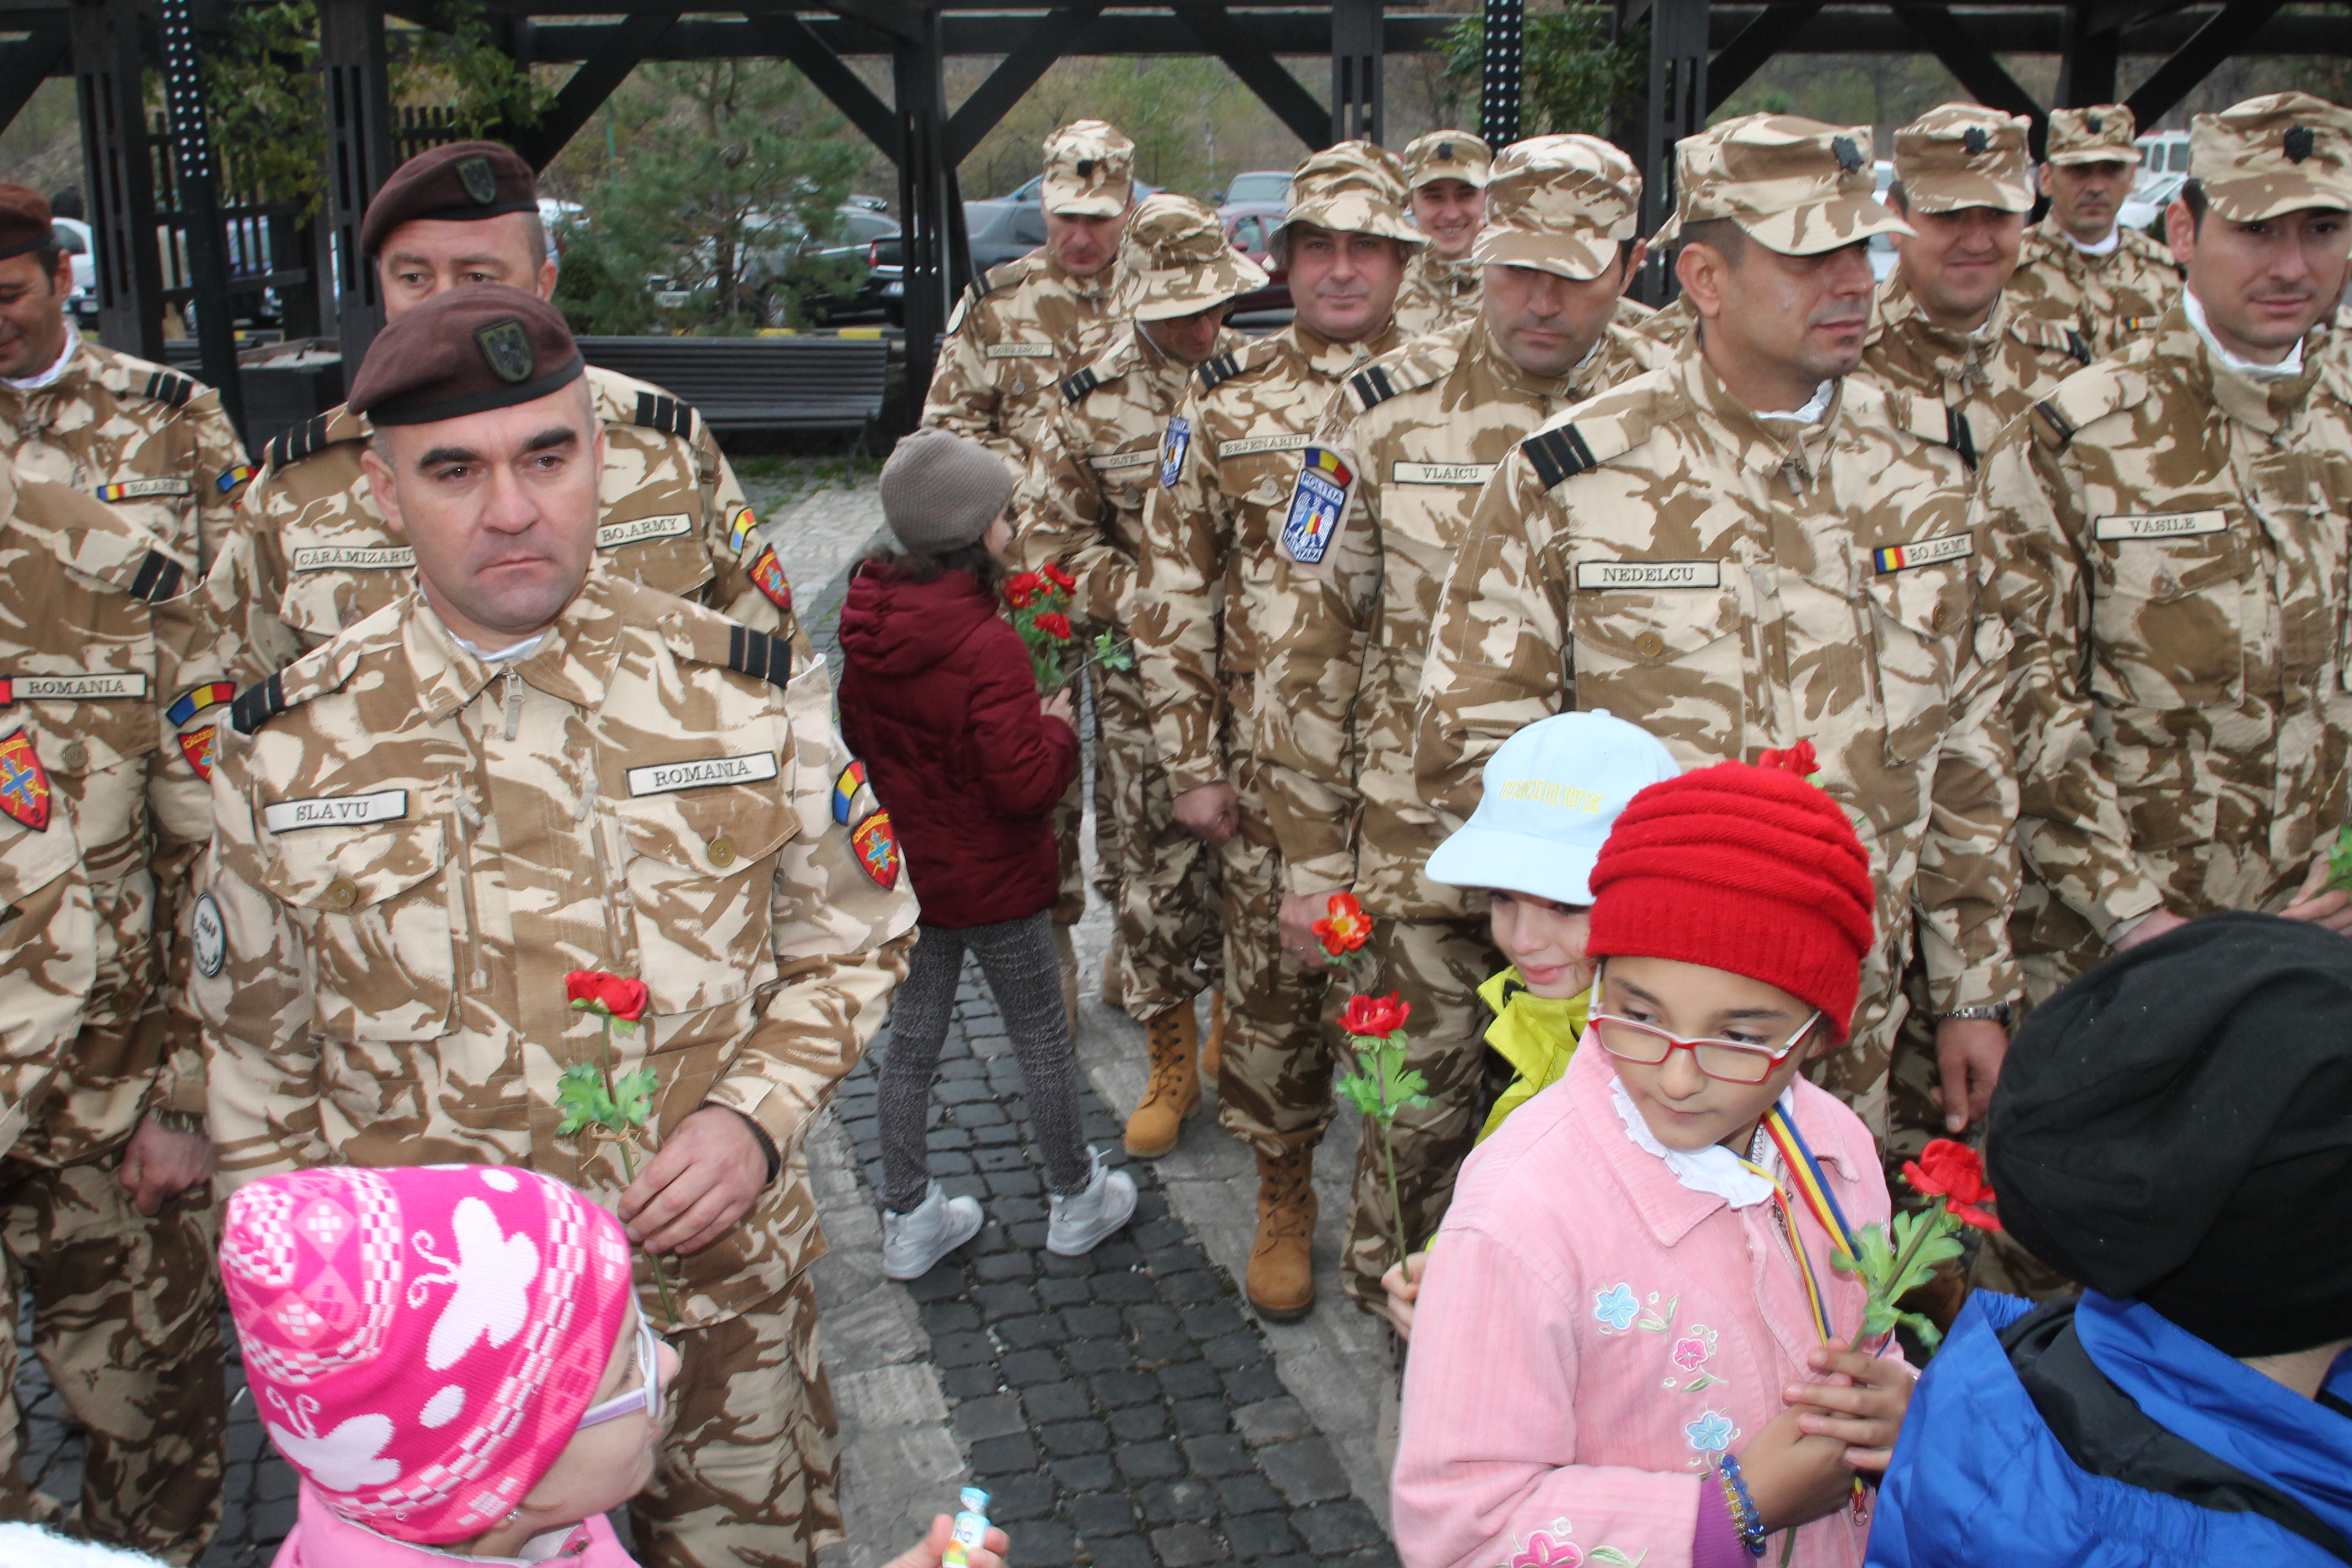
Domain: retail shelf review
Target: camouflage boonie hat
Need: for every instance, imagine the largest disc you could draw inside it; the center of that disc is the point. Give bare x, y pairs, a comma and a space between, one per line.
1089, 170
1961, 155
1356, 187
1447, 155
2280, 152
2102, 133
1179, 262
1560, 205
1792, 184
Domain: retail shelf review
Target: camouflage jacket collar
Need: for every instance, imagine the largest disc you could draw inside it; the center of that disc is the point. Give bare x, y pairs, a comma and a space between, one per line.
1328, 361
1479, 344
1108, 284
1957, 356
573, 665
1761, 444
2268, 408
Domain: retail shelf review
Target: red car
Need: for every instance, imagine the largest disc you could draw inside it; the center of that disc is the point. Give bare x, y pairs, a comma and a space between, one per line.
1249, 225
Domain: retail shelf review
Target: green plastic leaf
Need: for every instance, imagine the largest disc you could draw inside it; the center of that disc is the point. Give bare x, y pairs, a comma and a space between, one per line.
633, 1095
1361, 1093
581, 1095
2340, 858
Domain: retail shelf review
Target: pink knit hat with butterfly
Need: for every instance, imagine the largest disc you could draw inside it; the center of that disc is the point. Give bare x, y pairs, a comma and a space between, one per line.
421, 1342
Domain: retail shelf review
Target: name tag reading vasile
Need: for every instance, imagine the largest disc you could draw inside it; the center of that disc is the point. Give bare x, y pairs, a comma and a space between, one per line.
355, 558
1649, 573
637, 529
702, 772
336, 811
2161, 525
1440, 473
1925, 552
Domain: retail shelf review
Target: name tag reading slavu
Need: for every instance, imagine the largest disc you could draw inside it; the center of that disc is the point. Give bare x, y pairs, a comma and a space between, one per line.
665, 777
1649, 573
336, 811
2159, 525
640, 529
1439, 473
355, 558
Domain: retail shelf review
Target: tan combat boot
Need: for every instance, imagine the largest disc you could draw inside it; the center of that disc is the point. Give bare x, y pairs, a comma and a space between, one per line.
1212, 1054
1174, 1092
1281, 1267
1114, 987
1067, 952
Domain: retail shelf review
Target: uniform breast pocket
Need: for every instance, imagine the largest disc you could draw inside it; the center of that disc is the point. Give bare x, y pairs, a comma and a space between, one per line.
1671, 659
1918, 615
700, 866
662, 550
2168, 618
375, 910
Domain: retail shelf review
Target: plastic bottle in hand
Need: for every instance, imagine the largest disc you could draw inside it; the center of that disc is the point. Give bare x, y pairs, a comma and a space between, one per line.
970, 1528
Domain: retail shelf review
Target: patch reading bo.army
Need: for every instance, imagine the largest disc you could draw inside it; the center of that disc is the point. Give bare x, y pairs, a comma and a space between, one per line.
768, 577
141, 490
878, 850
1317, 500
637, 529
24, 785
2161, 525
1174, 442
335, 811
96, 686
196, 745
844, 791
209, 936
506, 348
1924, 552
702, 772
1649, 573
739, 527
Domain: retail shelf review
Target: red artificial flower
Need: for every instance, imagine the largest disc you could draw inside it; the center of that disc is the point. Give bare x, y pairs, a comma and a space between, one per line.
1054, 624
1021, 589
1348, 929
1798, 759
599, 991
1380, 1015
1955, 1172
1060, 579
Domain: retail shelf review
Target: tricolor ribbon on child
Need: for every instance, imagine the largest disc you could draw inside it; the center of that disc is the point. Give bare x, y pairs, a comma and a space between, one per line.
1805, 1175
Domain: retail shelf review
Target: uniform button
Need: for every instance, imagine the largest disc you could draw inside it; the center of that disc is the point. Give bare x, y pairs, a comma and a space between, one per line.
2163, 588
343, 893
723, 851
76, 756
1649, 644
1936, 617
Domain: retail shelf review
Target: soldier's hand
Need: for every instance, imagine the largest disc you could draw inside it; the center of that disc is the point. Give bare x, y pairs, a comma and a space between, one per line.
929, 1552
2321, 904
1299, 913
705, 1177
1212, 813
1968, 1053
160, 1163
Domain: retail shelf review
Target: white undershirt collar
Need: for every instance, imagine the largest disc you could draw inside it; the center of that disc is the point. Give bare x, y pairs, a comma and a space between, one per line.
56, 367
2286, 369
2105, 247
1811, 414
1714, 1170
520, 650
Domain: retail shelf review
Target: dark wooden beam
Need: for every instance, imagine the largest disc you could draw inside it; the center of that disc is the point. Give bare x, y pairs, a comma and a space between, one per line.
1046, 42
1218, 33
625, 44
1944, 36
2227, 34
28, 62
894, 19
1759, 41
774, 32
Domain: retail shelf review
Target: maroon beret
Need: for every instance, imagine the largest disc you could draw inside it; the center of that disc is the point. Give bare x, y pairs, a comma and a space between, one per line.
484, 345
23, 220
463, 182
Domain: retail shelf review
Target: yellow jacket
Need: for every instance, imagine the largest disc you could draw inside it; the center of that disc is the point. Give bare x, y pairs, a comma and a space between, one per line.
1536, 1035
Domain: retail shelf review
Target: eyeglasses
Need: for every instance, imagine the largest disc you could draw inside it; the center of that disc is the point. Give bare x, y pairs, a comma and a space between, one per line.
1727, 1060
646, 1396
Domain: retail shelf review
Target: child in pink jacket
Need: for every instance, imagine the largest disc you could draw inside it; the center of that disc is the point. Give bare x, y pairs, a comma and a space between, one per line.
1630, 1346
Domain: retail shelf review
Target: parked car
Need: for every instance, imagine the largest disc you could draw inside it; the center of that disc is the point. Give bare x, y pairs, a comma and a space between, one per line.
73, 237
1268, 187
1251, 227
2163, 170
773, 249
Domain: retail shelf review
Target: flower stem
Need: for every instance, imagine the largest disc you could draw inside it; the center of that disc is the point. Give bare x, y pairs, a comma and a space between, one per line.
629, 1177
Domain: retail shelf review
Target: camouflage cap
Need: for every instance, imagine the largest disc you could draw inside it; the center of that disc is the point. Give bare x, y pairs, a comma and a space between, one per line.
1354, 188
2280, 152
1089, 170
24, 223
1560, 204
1179, 262
461, 183
1792, 184
1961, 155
2103, 133
481, 346
1447, 155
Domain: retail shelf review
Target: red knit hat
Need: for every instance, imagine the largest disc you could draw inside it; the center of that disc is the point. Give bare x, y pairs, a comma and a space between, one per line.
1745, 868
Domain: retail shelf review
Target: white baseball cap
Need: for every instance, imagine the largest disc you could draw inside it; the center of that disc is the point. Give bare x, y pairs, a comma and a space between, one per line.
1551, 794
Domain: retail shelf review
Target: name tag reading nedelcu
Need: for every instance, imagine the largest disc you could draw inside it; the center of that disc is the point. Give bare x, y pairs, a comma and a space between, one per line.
96, 686
702, 772
336, 811
1244, 445
2161, 525
1925, 552
1111, 463
355, 558
637, 529
1018, 351
1649, 573
1439, 473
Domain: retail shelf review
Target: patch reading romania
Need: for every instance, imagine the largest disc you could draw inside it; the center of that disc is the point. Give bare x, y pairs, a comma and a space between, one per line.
1316, 502
739, 527
24, 788
877, 849
768, 577
844, 791
196, 745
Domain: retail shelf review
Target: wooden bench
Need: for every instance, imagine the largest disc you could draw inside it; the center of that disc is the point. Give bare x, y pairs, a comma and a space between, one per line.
807, 382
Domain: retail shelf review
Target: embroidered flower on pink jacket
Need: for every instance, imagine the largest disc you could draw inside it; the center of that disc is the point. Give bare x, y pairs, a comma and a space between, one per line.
1544, 1552
1691, 1352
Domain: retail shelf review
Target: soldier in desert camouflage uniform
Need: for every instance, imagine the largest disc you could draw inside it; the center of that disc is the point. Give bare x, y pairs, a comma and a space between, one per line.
1446, 171
148, 441
1420, 428
1096, 458
2184, 725
1213, 526
2080, 264
105, 1215
1942, 326
1746, 548
531, 768
312, 555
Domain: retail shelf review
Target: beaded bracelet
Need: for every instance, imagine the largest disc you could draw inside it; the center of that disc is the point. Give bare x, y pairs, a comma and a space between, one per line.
1745, 1515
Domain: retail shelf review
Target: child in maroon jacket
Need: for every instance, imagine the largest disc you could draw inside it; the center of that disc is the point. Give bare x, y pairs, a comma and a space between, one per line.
937, 696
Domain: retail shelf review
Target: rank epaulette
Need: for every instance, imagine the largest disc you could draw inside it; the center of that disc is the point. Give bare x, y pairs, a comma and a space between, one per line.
168, 388
1559, 454
257, 705
1218, 371
297, 442
1373, 387
2077, 347
159, 578
314, 674
659, 411
759, 656
2056, 423
1078, 386
1958, 437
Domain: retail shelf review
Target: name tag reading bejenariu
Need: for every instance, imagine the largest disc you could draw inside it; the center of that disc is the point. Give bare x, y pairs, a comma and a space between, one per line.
702, 772
1649, 573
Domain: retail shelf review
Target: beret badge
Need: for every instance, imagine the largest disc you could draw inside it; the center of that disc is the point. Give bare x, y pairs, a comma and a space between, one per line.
506, 348
2298, 143
1849, 155
480, 183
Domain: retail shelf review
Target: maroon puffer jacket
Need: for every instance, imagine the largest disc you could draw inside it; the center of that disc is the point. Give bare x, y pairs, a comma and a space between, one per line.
938, 696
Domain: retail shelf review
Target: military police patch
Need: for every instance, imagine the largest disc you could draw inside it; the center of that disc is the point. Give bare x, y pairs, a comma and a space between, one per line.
768, 577
1174, 444
196, 745
24, 786
506, 348
877, 849
480, 183
209, 947
1316, 503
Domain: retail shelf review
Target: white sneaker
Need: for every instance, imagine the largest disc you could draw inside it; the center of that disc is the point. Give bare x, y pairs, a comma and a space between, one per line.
1081, 1220
914, 1242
